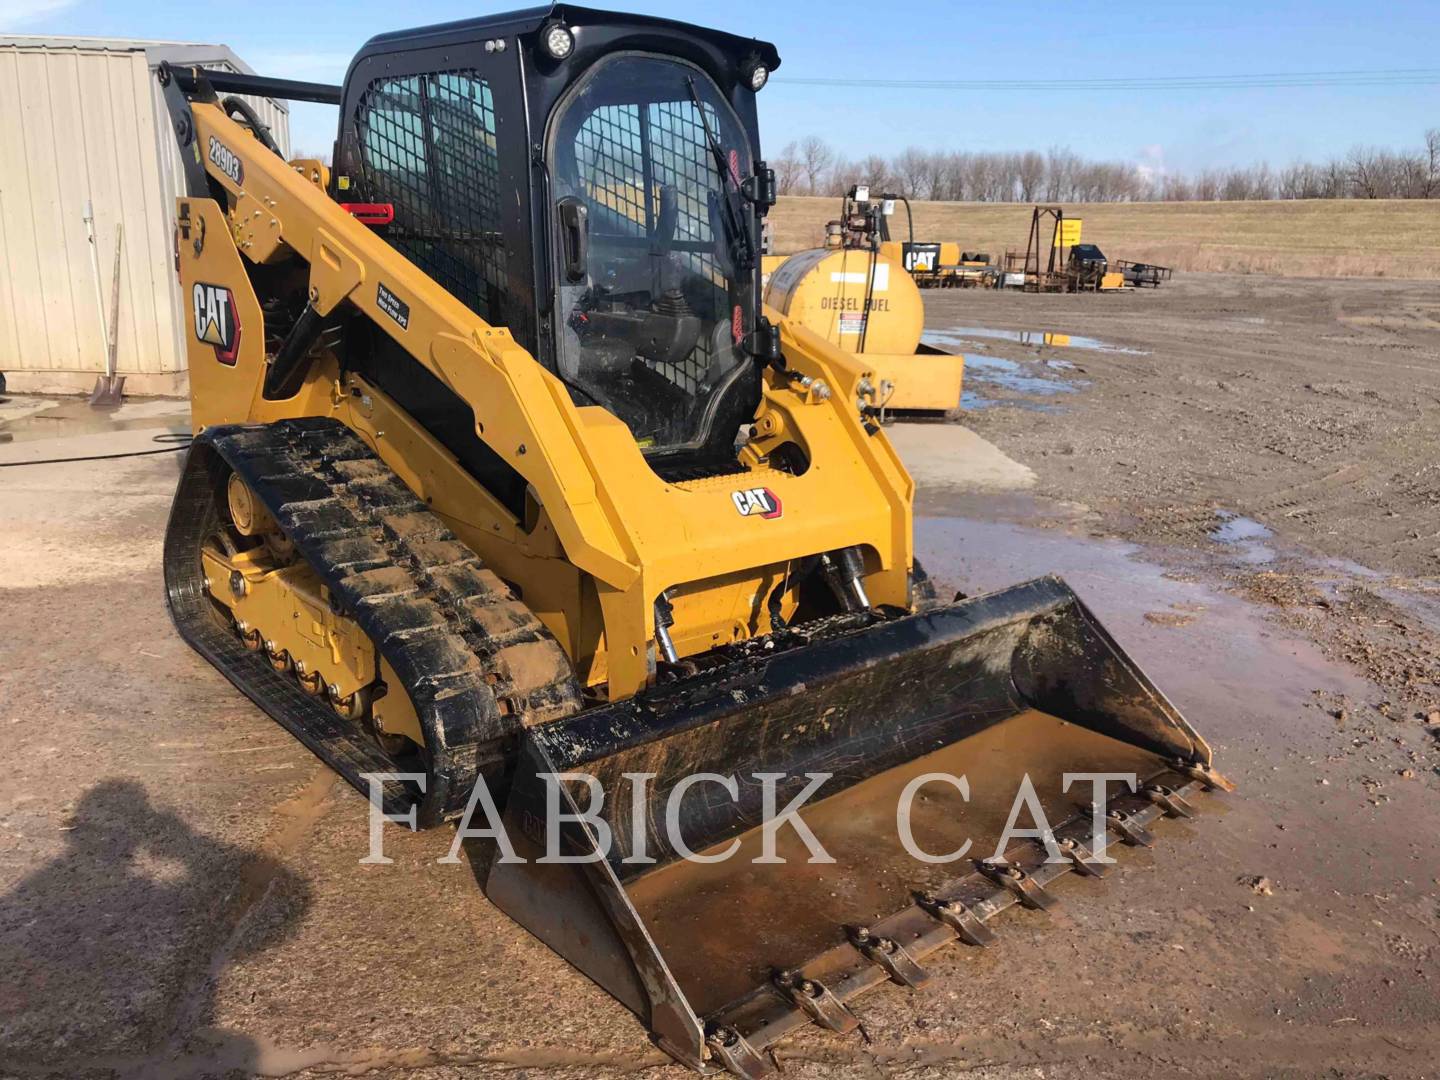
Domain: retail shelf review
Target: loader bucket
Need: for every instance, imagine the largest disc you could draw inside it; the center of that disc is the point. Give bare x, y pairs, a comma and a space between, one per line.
722, 958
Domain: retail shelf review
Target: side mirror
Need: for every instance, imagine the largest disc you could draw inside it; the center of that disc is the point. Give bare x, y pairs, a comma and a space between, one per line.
574, 237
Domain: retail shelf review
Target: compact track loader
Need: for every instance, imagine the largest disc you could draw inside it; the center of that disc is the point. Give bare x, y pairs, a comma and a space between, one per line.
505, 481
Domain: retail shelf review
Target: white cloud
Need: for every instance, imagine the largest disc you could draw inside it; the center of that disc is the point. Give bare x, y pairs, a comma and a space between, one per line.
15, 14
1150, 163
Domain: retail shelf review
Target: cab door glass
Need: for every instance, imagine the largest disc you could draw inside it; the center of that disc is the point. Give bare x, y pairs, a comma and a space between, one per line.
654, 246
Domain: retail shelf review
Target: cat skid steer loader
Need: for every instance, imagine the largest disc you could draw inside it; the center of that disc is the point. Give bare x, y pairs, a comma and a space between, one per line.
505, 481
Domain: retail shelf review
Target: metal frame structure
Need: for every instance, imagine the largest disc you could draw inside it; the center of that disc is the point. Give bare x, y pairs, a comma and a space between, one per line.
1139, 274
1050, 279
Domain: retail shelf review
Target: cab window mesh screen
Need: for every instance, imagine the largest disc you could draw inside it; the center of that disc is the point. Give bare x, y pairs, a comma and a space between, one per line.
624, 155
611, 161
427, 145
681, 159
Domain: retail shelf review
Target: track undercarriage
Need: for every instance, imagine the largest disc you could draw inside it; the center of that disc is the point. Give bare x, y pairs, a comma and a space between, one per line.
317, 582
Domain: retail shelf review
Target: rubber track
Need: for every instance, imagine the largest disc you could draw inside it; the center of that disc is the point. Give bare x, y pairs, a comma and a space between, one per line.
477, 664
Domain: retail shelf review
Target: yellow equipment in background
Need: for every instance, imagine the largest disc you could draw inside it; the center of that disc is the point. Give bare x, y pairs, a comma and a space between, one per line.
855, 294
941, 265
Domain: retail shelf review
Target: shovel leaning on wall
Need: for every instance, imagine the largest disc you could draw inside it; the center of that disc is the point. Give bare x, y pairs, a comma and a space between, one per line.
109, 387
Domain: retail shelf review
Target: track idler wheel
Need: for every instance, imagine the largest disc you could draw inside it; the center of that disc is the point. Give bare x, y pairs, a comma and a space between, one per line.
310, 681
355, 707
279, 658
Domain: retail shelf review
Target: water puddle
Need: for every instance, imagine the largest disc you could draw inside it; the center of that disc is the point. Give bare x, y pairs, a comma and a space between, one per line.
1011, 375
1245, 534
1415, 597
1221, 663
26, 418
957, 334
972, 401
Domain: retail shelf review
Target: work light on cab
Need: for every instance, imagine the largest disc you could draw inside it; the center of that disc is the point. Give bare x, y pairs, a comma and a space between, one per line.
756, 75
557, 41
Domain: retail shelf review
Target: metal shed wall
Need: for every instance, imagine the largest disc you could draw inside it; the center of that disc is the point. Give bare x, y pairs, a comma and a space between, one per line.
84, 121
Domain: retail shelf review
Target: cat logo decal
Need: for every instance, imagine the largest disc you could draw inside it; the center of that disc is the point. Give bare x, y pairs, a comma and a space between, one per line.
757, 502
217, 322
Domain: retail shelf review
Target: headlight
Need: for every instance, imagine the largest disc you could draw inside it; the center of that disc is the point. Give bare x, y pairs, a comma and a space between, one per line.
756, 76
557, 41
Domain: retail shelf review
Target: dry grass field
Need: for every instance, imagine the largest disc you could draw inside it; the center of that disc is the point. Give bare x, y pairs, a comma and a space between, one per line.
1310, 238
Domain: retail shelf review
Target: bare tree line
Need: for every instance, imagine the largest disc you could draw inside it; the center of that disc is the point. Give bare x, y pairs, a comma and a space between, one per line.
811, 166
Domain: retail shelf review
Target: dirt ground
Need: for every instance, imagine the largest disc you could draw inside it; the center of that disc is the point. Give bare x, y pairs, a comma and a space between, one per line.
1306, 407
180, 887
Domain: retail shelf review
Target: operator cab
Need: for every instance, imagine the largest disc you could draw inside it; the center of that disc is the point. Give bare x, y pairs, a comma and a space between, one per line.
592, 182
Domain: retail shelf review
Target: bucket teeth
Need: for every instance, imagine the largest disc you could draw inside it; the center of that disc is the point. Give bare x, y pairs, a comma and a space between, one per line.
962, 905
1130, 830
1083, 858
1168, 801
1205, 774
737, 1056
968, 926
814, 998
1027, 890
891, 956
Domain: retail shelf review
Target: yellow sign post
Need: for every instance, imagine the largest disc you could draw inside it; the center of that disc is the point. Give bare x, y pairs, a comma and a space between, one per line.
1069, 234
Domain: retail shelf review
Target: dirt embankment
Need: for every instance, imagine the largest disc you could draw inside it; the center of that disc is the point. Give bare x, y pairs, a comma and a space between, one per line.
1393, 238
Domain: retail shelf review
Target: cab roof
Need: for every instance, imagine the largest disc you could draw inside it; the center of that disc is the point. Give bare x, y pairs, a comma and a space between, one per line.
528, 20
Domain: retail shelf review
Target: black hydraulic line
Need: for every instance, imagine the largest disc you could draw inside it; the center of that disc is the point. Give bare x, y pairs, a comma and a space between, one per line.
182, 442
909, 217
261, 130
289, 366
229, 82
874, 265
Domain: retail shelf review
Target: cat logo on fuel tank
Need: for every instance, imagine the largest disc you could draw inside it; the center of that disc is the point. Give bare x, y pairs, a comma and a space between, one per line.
757, 502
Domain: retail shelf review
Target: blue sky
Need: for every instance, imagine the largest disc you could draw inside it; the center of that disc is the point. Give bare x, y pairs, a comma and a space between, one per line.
1175, 129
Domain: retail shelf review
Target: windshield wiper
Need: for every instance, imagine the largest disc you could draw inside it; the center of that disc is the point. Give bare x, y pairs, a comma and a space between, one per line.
737, 237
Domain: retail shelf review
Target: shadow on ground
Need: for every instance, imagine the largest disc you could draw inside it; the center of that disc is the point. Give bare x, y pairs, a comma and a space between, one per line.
111, 951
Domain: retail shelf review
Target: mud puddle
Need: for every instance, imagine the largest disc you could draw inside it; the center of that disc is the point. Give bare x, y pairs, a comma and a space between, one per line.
1245, 535
1010, 375
957, 334
1214, 654
1014, 377
972, 401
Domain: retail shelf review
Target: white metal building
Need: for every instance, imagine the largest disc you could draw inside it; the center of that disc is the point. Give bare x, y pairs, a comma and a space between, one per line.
83, 121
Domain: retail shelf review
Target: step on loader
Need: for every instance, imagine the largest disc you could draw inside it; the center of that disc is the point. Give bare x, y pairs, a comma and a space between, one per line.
508, 491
